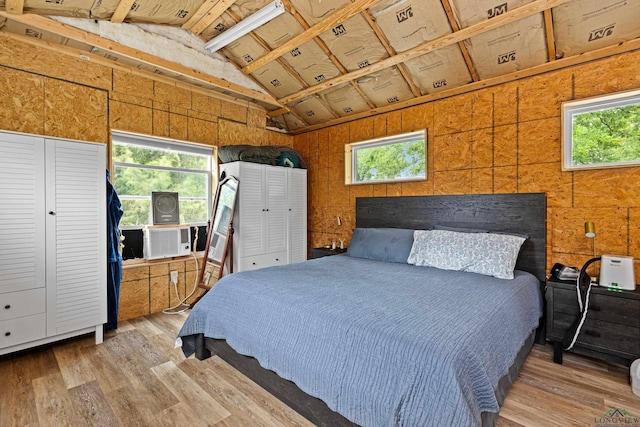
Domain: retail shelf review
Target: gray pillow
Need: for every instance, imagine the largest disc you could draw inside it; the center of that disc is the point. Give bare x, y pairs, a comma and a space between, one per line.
381, 244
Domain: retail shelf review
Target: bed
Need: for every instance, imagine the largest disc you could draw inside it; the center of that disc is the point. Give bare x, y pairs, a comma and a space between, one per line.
360, 340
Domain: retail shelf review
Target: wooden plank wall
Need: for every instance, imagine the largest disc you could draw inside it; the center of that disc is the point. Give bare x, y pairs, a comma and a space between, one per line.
503, 139
48, 93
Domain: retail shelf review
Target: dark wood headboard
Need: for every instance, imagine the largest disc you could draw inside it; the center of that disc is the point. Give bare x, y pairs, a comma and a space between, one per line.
523, 213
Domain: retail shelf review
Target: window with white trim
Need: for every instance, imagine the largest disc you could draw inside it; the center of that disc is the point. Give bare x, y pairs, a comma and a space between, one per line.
390, 159
145, 164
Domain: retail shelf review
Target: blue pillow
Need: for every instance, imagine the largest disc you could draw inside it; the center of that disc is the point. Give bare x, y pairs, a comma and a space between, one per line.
381, 244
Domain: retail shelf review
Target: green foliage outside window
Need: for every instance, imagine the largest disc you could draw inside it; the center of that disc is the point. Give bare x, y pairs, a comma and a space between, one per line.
139, 171
390, 161
607, 136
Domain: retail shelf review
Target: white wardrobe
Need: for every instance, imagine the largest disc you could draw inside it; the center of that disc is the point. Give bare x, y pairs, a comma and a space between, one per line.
53, 261
270, 219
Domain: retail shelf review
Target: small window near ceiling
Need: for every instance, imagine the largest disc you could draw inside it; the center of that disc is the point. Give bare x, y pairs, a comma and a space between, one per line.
391, 159
143, 165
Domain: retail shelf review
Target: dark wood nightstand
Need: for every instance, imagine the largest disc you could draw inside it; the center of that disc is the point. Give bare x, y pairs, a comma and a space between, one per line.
320, 252
611, 331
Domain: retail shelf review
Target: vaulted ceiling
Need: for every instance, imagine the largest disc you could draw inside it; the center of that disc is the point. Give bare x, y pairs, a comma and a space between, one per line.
328, 61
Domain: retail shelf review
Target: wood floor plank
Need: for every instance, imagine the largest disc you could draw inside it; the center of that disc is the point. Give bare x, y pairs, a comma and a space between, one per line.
53, 404
238, 402
273, 406
93, 406
104, 367
17, 399
130, 407
190, 392
74, 368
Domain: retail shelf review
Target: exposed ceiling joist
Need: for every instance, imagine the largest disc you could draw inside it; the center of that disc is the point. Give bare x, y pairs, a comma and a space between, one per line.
201, 24
628, 46
14, 7
548, 29
446, 4
122, 11
82, 36
327, 23
538, 6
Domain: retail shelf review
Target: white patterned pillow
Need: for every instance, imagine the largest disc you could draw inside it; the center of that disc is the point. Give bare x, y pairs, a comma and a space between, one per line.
484, 253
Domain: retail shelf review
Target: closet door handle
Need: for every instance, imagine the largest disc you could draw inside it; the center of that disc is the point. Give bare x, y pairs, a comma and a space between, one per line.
6, 334
52, 213
7, 307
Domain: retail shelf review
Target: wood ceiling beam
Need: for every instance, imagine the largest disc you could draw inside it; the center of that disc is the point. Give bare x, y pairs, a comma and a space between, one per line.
14, 7
558, 64
82, 36
548, 29
537, 6
446, 4
197, 24
327, 23
121, 12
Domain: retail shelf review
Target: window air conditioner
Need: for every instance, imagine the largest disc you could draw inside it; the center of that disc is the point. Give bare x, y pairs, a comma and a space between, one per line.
166, 242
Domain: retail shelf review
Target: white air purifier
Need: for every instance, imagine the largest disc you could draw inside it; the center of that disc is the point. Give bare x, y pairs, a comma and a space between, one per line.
616, 271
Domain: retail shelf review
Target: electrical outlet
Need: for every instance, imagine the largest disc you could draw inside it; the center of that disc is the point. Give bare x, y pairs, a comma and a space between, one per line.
174, 276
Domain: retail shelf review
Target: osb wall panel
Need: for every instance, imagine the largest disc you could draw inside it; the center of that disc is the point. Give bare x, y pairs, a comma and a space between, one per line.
76, 112
148, 289
22, 103
45, 62
504, 139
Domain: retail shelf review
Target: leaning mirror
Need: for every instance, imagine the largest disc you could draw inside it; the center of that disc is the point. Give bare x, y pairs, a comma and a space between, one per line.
219, 235
601, 132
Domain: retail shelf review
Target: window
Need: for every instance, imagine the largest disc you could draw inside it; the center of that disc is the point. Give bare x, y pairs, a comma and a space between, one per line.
143, 165
390, 159
603, 131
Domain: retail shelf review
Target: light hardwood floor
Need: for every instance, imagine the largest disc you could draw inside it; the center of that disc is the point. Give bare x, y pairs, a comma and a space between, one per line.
138, 378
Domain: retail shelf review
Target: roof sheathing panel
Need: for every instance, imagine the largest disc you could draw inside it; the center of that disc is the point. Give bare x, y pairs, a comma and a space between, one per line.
345, 100
354, 43
593, 24
385, 87
408, 24
510, 48
469, 12
439, 70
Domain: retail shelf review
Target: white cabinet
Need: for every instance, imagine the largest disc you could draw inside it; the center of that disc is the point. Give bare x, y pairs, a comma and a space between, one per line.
270, 220
52, 240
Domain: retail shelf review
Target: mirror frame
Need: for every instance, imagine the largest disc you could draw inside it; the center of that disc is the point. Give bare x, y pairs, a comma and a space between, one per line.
587, 105
210, 232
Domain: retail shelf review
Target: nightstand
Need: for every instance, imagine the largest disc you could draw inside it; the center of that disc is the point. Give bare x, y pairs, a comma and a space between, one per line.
320, 252
611, 331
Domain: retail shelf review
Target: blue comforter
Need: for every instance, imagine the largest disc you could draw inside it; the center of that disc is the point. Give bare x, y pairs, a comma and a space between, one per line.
384, 344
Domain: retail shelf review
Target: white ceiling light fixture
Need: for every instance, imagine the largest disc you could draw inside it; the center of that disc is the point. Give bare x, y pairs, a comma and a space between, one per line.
245, 26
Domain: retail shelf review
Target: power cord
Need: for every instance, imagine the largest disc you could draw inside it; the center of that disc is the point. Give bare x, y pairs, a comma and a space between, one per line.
181, 307
584, 307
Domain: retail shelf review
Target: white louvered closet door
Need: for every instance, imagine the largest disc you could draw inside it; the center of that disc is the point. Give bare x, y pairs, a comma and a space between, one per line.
76, 235
297, 215
22, 213
276, 205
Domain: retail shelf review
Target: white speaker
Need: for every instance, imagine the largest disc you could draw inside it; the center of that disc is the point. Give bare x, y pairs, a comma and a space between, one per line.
166, 207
